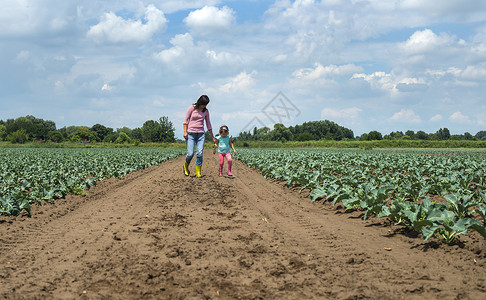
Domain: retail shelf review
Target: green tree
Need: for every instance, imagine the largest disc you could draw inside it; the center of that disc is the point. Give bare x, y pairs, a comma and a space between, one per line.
150, 131
421, 135
167, 130
410, 133
125, 129
123, 138
162, 131
280, 133
55, 136
100, 132
3, 132
305, 136
68, 132
374, 135
481, 135
468, 136
443, 134
36, 128
84, 134
364, 137
18, 137
394, 135
136, 134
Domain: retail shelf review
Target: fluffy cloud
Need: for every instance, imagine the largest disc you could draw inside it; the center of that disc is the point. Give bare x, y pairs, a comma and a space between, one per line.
115, 29
30, 17
425, 41
320, 71
475, 73
377, 80
459, 117
452, 10
185, 53
238, 83
182, 45
406, 116
411, 85
436, 118
210, 19
347, 116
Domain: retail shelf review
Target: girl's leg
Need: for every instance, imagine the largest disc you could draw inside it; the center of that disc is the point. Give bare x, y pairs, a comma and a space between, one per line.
221, 163
199, 148
190, 147
230, 163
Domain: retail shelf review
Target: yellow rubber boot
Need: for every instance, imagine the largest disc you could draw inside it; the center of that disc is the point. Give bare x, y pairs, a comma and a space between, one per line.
186, 168
198, 171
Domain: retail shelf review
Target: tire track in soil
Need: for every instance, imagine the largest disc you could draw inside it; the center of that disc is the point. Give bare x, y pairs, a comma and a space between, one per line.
157, 234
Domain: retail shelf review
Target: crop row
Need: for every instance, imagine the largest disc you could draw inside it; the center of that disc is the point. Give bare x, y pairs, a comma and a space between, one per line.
34, 175
436, 193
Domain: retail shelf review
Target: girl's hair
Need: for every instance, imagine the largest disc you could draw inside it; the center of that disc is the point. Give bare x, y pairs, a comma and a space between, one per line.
203, 100
223, 127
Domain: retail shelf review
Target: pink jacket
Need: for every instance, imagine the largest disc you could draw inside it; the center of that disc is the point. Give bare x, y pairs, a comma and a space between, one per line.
195, 120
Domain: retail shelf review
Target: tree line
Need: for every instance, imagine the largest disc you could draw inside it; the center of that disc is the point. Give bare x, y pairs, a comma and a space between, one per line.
443, 134
313, 130
328, 130
30, 128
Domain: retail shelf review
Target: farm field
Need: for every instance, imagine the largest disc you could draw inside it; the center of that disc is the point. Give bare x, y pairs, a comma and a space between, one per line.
35, 175
438, 193
156, 234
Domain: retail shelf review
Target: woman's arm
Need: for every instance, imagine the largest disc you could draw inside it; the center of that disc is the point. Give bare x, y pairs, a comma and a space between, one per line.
231, 144
209, 126
187, 119
212, 136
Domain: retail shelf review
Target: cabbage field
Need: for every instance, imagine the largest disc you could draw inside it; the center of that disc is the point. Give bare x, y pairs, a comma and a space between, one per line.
34, 175
438, 193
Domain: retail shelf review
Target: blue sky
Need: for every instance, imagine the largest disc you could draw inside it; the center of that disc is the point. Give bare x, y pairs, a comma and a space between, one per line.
367, 65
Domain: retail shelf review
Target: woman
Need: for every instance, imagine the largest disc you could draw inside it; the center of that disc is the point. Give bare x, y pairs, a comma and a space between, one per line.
194, 132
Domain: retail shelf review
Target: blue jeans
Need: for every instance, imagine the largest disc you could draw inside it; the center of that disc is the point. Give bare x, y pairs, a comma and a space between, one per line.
195, 138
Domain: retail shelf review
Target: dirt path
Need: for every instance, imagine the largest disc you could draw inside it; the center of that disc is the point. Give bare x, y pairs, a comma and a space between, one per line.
157, 234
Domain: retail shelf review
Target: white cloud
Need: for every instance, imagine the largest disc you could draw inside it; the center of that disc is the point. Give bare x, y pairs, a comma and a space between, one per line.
406, 116
459, 117
210, 19
347, 116
320, 71
377, 80
461, 10
222, 59
424, 41
323, 75
411, 85
171, 6
106, 87
436, 118
475, 73
115, 29
240, 82
183, 47
23, 55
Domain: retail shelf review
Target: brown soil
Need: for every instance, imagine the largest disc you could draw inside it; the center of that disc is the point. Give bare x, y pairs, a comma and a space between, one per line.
157, 234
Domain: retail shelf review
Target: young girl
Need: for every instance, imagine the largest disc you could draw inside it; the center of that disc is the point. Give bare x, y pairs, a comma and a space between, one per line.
224, 149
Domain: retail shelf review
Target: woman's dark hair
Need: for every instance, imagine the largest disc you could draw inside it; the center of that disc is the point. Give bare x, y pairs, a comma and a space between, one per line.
203, 100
